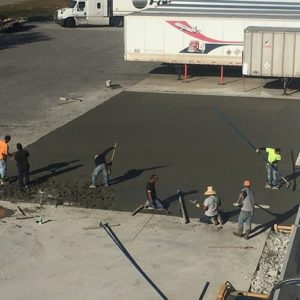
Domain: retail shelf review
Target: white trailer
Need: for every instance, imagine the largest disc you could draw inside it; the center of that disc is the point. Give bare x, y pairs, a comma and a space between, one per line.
210, 33
272, 52
99, 12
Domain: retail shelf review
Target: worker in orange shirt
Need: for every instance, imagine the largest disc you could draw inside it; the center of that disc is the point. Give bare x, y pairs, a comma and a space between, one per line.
4, 153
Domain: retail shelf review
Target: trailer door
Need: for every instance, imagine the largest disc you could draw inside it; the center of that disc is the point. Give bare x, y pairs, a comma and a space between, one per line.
98, 12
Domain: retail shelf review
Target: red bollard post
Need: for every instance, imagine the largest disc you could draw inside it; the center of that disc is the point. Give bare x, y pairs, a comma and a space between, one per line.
185, 73
222, 76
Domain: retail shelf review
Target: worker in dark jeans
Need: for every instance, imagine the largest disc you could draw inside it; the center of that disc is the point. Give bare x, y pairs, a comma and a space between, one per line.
152, 201
274, 158
246, 201
101, 167
21, 157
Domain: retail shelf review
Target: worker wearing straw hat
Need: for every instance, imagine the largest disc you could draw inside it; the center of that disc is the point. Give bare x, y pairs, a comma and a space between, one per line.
211, 207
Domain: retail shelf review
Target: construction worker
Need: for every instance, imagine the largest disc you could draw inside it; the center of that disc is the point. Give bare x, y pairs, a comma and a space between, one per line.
101, 166
152, 201
4, 153
21, 157
211, 206
272, 167
246, 201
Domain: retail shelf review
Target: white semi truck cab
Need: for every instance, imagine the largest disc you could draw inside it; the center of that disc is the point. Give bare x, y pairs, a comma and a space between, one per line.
99, 12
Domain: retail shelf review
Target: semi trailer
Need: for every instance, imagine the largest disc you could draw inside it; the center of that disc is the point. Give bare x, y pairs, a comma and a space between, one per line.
202, 32
99, 12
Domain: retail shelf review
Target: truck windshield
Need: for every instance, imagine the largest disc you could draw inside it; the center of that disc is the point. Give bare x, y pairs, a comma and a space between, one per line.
72, 4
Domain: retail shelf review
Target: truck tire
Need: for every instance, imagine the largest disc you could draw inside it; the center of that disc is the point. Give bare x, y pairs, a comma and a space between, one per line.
70, 23
118, 22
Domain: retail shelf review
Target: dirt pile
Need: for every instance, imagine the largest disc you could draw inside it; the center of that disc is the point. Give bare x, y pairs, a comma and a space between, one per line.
60, 193
5, 212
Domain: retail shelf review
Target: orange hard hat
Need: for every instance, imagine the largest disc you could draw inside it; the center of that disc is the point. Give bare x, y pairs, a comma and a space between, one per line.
247, 182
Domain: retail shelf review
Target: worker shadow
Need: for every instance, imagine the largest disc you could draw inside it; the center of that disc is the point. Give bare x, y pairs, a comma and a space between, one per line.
169, 200
132, 173
279, 218
295, 172
227, 215
53, 170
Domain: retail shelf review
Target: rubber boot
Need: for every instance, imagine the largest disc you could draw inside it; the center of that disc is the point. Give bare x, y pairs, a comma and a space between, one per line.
239, 233
246, 236
214, 221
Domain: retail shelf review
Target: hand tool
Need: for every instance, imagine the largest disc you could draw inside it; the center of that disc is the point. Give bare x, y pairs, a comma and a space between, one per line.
239, 132
112, 158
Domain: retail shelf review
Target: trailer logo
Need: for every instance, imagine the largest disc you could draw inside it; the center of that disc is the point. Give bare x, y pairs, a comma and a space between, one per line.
208, 44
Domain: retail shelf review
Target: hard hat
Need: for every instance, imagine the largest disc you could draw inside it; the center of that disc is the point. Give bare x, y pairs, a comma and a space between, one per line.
247, 182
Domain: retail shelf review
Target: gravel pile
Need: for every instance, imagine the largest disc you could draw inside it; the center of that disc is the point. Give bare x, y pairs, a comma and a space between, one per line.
270, 264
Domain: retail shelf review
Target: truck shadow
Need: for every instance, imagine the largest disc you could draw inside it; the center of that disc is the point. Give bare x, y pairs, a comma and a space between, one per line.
197, 70
293, 85
23, 37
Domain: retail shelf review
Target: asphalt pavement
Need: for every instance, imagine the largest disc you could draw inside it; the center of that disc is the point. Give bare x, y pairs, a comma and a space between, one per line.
183, 140
45, 62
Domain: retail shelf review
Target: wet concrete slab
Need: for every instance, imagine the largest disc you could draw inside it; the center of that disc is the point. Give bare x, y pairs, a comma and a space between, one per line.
185, 142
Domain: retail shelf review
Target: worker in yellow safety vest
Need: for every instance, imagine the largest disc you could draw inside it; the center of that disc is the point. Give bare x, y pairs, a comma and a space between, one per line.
274, 157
